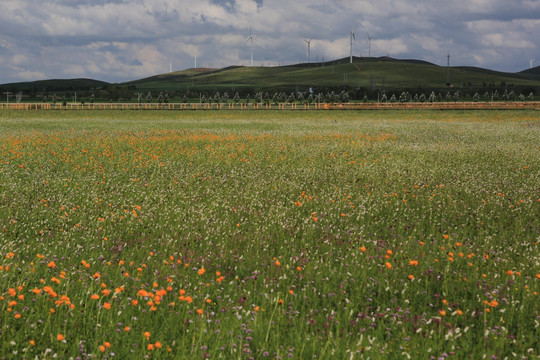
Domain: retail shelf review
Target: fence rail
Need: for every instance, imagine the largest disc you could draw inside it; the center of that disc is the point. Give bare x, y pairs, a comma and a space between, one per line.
529, 105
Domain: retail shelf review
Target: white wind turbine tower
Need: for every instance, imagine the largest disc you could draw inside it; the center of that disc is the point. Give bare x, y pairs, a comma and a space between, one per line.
531, 61
352, 37
308, 48
250, 39
369, 44
195, 52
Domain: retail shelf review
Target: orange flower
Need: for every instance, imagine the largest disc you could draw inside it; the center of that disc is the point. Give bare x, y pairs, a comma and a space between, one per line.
442, 312
101, 348
411, 277
107, 305
60, 337
277, 263
388, 265
200, 311
459, 312
158, 345
150, 347
147, 335
201, 271
94, 297
363, 249
127, 328
51, 264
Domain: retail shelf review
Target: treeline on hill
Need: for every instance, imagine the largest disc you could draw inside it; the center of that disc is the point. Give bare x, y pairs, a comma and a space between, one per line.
131, 93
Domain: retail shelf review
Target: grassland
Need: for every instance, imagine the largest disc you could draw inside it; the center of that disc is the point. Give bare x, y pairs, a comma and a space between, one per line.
366, 75
369, 73
269, 235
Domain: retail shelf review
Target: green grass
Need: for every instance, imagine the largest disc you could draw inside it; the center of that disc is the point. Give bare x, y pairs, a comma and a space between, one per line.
273, 234
365, 73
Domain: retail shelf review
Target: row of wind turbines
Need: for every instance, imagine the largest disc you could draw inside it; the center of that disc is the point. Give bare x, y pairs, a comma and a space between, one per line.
251, 38
353, 38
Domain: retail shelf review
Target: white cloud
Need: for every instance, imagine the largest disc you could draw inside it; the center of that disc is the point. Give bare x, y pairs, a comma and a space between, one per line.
117, 40
26, 75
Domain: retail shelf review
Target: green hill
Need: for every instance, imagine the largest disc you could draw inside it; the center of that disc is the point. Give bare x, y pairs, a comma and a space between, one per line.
368, 73
363, 76
56, 85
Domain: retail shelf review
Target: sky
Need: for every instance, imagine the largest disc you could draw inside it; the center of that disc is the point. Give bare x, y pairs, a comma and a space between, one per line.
121, 40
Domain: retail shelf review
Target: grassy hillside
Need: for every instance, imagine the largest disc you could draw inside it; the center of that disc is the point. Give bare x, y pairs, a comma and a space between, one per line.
365, 74
369, 73
56, 85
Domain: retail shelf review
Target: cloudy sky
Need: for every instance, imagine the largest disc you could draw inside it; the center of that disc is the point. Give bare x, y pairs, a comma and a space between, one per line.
119, 40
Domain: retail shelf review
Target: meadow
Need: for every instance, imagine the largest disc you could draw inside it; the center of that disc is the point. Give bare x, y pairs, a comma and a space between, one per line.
270, 234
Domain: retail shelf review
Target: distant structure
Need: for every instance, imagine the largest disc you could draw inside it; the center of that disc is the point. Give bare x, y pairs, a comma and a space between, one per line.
308, 48
448, 81
195, 58
369, 44
352, 38
531, 61
250, 39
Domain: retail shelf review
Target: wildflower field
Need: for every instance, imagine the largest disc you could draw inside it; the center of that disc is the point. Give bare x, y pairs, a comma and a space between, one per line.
270, 234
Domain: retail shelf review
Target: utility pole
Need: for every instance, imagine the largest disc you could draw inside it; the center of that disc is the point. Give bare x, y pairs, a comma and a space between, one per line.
352, 37
448, 70
8, 94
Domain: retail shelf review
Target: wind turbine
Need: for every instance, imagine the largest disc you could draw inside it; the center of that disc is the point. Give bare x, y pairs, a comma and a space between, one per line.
531, 61
369, 44
250, 39
195, 58
352, 37
308, 48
